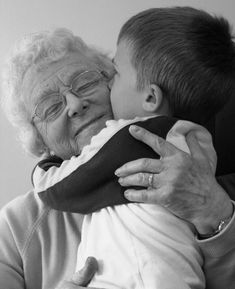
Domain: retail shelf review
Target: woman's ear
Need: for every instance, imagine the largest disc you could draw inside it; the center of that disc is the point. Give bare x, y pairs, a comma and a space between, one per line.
153, 99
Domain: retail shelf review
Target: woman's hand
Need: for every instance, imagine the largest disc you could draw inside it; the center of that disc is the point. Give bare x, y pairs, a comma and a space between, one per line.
182, 183
83, 277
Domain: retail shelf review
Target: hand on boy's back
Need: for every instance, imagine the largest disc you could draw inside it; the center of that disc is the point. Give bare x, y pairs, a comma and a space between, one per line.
183, 183
82, 278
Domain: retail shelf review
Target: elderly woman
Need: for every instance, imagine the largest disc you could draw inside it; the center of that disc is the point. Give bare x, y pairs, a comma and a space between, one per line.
48, 125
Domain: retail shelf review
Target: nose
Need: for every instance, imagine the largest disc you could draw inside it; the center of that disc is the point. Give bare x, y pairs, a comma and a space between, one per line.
76, 106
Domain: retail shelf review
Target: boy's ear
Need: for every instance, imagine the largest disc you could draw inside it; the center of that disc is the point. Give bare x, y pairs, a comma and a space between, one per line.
153, 98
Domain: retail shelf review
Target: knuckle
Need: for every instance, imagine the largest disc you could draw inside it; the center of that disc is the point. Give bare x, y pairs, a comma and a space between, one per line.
169, 192
184, 159
144, 196
182, 156
124, 167
141, 178
167, 199
157, 142
156, 182
146, 163
143, 132
161, 165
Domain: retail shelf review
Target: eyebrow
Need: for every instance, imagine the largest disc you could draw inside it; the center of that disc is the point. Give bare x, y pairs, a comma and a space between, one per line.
70, 77
43, 94
54, 87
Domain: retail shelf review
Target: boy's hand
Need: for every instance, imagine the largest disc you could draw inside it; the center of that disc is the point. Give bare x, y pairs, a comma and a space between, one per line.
83, 277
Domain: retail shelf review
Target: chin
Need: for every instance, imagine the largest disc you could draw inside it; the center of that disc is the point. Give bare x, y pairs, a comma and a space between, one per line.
84, 138
96, 127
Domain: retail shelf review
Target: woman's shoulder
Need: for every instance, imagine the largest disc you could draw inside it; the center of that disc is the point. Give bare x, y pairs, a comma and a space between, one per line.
27, 216
32, 234
24, 209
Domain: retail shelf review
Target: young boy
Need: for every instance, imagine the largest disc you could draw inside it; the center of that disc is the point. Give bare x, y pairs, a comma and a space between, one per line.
169, 61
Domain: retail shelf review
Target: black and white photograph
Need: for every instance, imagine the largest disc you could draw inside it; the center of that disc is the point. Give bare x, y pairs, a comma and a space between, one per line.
117, 129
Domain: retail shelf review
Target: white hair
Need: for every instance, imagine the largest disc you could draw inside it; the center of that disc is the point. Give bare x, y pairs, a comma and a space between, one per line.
38, 49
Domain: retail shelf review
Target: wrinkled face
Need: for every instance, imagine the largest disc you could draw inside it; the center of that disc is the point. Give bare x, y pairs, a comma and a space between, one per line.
126, 100
65, 118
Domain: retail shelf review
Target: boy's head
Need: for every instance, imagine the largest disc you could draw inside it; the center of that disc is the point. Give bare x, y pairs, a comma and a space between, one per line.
179, 60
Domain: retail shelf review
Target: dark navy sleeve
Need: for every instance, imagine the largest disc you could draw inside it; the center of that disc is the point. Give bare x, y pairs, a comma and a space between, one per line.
93, 185
228, 183
47, 163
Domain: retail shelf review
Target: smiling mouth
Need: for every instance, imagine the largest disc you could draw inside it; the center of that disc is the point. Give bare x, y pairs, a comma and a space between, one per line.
85, 125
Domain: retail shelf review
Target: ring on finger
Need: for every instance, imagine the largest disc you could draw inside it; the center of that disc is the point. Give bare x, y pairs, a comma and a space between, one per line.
150, 180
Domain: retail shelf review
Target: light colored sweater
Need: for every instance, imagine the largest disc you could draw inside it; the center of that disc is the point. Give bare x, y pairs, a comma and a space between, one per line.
38, 247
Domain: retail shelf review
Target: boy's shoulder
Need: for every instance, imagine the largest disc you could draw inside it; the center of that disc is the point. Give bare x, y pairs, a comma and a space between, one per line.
159, 125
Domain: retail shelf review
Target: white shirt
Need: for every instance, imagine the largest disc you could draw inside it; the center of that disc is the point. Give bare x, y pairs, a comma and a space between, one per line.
141, 245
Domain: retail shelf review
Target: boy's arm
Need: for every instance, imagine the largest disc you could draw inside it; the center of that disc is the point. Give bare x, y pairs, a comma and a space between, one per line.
92, 185
42, 167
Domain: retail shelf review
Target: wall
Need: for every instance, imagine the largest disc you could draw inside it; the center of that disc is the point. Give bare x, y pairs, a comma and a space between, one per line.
97, 22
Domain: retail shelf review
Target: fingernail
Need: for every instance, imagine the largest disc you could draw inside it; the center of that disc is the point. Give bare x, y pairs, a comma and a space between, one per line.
89, 259
117, 172
126, 193
135, 128
92, 263
120, 180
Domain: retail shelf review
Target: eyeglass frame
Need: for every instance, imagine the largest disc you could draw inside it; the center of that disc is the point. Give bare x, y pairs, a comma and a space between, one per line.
103, 73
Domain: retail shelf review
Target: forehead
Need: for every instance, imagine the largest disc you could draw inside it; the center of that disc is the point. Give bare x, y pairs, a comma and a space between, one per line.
49, 75
123, 55
122, 61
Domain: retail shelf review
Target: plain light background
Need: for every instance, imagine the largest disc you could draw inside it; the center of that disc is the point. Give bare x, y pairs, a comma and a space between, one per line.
97, 22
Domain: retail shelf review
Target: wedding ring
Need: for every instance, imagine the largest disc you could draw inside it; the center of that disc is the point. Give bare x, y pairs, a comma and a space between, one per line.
150, 180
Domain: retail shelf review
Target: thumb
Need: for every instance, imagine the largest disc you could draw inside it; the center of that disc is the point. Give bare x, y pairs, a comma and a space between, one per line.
84, 276
194, 146
158, 144
205, 154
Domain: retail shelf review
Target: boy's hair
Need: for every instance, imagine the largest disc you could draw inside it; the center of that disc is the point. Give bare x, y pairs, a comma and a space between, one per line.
188, 53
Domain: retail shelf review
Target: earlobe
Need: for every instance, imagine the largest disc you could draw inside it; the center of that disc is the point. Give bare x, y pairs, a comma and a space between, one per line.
153, 99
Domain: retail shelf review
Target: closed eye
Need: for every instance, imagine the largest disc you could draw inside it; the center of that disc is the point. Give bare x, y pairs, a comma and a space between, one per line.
53, 111
87, 88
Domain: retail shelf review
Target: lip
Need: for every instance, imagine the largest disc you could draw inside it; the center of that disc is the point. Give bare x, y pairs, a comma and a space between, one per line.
85, 125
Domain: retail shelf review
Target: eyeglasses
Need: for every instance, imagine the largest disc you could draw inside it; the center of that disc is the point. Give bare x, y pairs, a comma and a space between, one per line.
82, 85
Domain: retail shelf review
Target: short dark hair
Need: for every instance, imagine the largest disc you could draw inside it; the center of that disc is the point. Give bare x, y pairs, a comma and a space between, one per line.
188, 53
